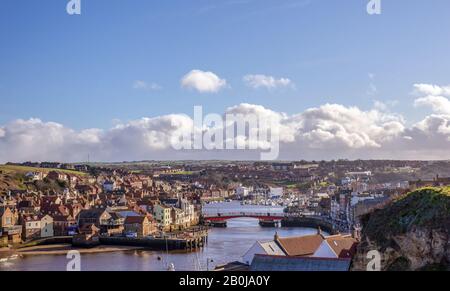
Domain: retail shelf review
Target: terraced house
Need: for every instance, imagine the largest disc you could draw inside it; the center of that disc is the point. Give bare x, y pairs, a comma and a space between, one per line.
9, 230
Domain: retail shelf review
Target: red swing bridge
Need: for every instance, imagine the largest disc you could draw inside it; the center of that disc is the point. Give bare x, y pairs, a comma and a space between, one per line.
265, 219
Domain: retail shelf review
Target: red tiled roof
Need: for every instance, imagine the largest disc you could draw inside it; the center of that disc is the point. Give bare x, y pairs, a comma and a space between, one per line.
343, 246
300, 246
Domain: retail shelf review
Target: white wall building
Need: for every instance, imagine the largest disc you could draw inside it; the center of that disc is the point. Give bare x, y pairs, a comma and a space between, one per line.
262, 248
276, 192
242, 191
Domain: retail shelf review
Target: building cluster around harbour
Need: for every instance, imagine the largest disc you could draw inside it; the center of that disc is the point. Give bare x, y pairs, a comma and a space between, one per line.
93, 204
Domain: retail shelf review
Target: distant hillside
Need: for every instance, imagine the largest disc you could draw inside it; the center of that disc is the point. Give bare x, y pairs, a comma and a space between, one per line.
11, 181
13, 178
24, 170
411, 234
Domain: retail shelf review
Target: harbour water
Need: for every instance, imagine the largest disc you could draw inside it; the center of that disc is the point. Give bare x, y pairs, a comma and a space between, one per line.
224, 245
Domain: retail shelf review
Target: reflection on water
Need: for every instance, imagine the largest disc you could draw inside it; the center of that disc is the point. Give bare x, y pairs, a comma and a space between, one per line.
224, 245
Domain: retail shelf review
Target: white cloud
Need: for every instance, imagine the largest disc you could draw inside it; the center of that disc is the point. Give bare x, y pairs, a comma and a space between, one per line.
36, 140
438, 104
339, 127
267, 82
434, 97
139, 84
203, 82
329, 131
433, 90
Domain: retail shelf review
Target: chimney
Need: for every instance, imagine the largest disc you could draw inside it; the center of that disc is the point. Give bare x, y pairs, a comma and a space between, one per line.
276, 237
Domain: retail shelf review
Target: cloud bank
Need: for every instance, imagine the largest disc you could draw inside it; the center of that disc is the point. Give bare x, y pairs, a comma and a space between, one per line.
330, 131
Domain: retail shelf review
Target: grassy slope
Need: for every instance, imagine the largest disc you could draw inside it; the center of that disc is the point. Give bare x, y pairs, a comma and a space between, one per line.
12, 178
428, 207
22, 169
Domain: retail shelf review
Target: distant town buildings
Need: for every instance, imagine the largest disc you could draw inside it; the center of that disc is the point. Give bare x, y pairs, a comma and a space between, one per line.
88, 203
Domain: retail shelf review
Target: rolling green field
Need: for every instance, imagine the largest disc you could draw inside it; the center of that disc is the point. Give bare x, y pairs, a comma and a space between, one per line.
21, 169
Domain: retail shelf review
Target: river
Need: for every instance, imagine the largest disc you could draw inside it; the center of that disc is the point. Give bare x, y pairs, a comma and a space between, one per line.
224, 245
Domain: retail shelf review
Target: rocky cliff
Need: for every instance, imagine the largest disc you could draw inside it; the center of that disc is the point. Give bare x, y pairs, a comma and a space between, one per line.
410, 234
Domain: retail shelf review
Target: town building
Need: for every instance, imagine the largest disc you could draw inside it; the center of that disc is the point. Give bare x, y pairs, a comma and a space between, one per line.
37, 226
141, 226
311, 246
163, 215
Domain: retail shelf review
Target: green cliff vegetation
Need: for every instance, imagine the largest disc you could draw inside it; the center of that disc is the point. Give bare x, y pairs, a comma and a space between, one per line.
425, 208
13, 178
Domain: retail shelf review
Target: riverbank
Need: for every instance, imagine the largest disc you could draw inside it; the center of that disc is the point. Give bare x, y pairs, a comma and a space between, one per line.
224, 245
62, 249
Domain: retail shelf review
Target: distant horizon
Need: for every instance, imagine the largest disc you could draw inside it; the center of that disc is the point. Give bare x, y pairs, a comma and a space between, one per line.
231, 161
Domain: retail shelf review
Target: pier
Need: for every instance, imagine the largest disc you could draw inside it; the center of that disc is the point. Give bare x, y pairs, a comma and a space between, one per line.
171, 241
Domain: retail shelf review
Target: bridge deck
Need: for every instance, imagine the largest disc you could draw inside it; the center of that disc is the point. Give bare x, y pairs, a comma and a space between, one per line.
231, 215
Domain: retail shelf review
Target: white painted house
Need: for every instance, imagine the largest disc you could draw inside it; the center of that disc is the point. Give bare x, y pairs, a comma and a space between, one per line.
262, 248
242, 191
316, 246
336, 246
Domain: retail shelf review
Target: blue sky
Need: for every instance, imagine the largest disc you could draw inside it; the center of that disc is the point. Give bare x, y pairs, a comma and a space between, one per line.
79, 70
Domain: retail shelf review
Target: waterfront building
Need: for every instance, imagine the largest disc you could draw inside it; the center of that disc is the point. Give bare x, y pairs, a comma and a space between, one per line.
263, 248
162, 214
242, 192
62, 224
7, 217
189, 211
113, 226
300, 246
10, 232
88, 236
96, 216
37, 226
310, 246
336, 246
141, 226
